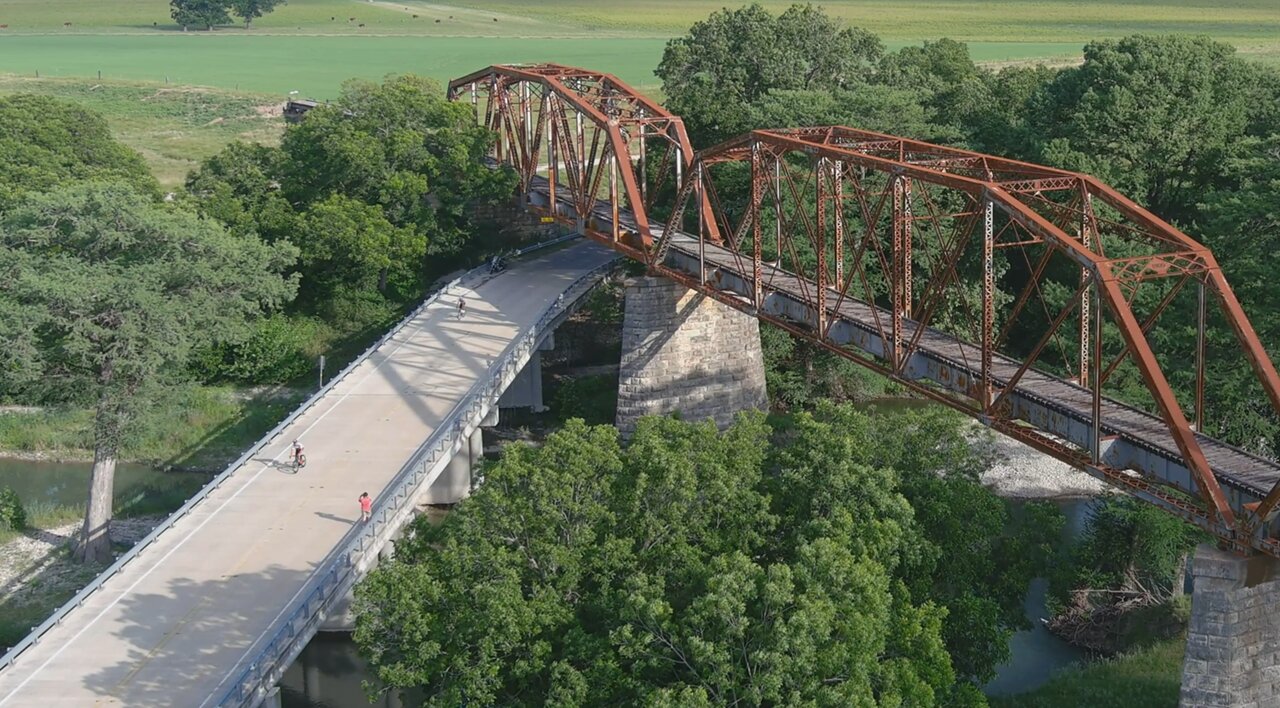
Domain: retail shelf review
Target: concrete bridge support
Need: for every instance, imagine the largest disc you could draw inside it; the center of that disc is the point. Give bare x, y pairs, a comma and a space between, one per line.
687, 353
526, 390
1233, 642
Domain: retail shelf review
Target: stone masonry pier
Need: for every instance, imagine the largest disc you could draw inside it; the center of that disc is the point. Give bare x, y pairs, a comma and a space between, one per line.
1233, 641
686, 353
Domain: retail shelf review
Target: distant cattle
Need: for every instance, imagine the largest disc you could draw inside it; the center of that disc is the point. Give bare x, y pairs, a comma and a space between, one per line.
4, 26
361, 24
351, 19
66, 24
495, 19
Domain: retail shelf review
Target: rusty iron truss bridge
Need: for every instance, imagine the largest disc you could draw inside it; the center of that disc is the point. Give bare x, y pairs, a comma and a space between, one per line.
888, 251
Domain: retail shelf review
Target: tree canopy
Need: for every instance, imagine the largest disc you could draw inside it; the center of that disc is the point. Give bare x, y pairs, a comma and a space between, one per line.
385, 172
105, 292
688, 567
199, 13
250, 10
47, 142
734, 58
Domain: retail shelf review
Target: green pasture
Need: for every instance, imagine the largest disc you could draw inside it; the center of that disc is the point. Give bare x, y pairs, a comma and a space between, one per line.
1244, 22
311, 46
174, 128
316, 66
313, 66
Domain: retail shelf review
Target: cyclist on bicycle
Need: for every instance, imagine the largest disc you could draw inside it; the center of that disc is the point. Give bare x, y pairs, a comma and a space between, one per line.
296, 453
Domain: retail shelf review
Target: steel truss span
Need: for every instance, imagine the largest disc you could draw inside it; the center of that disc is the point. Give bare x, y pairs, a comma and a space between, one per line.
891, 251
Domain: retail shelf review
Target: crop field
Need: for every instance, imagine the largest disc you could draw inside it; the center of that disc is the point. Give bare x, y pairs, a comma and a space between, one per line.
311, 46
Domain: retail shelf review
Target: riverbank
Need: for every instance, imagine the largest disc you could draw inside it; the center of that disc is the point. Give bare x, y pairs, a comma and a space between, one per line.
1149, 677
1022, 472
200, 429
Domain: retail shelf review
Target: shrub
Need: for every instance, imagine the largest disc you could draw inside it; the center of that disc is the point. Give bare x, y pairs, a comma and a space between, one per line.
12, 516
280, 349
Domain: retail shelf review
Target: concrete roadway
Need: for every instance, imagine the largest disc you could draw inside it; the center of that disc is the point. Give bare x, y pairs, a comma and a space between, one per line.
168, 627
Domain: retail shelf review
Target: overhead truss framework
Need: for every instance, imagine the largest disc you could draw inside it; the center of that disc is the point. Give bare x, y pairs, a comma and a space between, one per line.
596, 145
926, 235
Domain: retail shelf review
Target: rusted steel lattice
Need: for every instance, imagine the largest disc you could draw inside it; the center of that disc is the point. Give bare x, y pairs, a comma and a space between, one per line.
840, 218
589, 149
1023, 295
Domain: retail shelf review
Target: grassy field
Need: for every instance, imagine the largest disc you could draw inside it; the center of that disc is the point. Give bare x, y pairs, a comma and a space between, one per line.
312, 45
173, 127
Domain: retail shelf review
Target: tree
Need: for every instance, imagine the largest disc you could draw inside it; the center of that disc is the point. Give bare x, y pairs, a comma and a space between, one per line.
685, 568
106, 291
348, 243
1157, 117
206, 13
726, 63
249, 10
47, 142
399, 145
240, 187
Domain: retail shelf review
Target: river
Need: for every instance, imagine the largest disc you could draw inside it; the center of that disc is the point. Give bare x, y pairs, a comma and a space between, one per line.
67, 483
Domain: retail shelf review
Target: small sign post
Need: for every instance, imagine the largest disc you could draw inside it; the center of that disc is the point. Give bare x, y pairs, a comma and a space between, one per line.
322, 371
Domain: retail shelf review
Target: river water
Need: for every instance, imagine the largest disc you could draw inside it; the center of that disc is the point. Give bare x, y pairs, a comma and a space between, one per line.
67, 483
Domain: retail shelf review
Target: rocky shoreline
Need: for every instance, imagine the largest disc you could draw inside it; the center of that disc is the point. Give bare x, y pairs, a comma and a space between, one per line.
1021, 472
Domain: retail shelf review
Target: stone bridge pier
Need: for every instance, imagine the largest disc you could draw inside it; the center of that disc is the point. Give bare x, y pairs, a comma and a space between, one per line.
686, 353
1233, 640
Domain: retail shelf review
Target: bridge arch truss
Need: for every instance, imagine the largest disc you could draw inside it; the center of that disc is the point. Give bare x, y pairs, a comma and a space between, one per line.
891, 252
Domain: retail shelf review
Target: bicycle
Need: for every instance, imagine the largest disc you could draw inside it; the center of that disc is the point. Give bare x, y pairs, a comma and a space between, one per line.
299, 461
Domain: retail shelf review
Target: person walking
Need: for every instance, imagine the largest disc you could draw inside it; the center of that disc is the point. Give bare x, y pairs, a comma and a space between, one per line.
462, 308
366, 507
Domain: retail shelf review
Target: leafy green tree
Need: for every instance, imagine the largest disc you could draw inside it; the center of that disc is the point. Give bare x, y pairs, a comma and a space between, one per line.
347, 243
199, 13
240, 187
401, 146
1127, 545
686, 568
250, 10
726, 63
1240, 223
106, 291
944, 79
47, 142
1158, 117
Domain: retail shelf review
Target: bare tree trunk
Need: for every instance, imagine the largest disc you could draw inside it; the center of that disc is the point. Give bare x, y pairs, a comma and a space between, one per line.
1180, 577
95, 536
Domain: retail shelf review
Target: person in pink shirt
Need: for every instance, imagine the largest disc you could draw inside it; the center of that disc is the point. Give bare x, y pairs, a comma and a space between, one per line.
366, 507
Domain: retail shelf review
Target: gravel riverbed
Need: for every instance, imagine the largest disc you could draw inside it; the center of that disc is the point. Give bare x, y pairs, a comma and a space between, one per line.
1021, 472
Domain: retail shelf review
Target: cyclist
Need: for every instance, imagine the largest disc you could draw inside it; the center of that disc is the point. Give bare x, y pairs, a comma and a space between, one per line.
462, 308
295, 454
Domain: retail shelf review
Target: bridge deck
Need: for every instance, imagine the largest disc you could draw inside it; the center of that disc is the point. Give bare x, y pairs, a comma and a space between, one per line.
1232, 466
176, 620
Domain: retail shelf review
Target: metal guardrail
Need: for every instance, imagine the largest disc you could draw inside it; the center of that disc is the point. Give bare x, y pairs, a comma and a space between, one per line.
345, 566
10, 657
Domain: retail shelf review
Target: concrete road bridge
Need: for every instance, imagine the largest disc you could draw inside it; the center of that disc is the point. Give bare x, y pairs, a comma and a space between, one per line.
884, 250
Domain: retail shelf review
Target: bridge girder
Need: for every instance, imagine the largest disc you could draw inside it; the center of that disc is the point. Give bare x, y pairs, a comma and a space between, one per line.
918, 234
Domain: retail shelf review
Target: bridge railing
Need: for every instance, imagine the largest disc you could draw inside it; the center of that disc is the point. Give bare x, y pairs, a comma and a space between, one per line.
271, 656
11, 656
